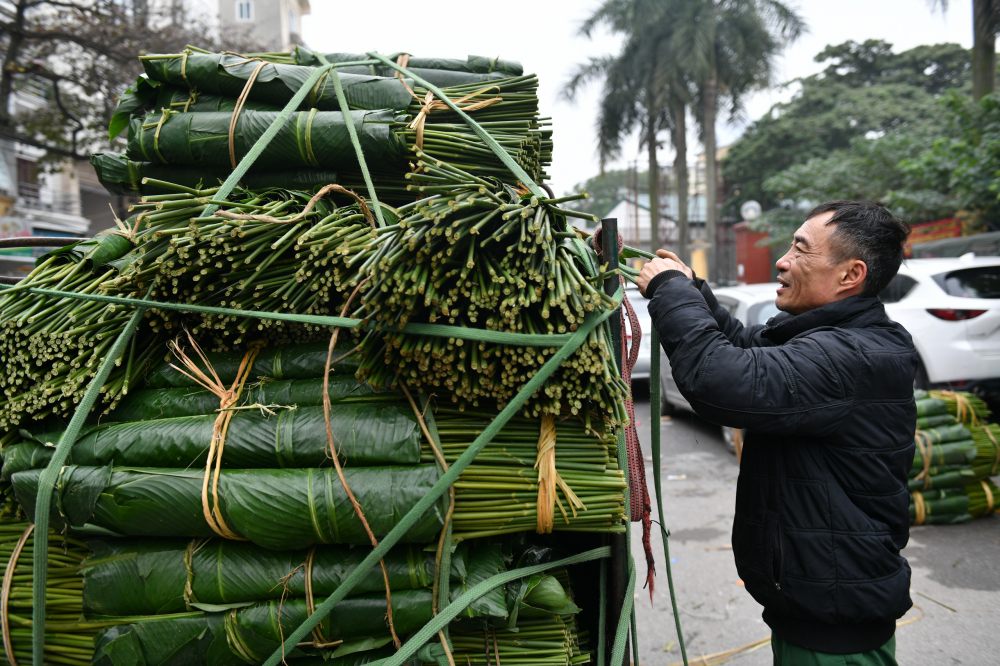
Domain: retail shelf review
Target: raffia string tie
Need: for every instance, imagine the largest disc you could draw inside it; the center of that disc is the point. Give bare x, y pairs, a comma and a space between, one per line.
334, 455
8, 581
228, 398
962, 406
362, 204
429, 104
920, 507
923, 442
988, 429
240, 101
319, 640
989, 495
403, 60
189, 552
549, 480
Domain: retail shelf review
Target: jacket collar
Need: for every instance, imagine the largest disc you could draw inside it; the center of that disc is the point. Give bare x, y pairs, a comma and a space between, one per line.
851, 312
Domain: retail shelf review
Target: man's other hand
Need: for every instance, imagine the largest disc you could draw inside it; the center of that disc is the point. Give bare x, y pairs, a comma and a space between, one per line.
666, 261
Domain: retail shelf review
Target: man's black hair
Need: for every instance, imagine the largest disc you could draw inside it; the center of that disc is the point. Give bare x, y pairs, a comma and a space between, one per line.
869, 232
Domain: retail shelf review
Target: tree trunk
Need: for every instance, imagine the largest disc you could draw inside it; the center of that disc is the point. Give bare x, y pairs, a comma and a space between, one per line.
710, 178
654, 181
984, 57
15, 41
679, 139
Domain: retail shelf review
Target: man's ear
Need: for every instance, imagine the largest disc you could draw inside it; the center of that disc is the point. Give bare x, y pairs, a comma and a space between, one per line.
854, 275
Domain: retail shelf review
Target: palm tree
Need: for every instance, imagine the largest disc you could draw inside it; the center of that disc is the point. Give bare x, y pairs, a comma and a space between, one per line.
728, 47
641, 88
985, 26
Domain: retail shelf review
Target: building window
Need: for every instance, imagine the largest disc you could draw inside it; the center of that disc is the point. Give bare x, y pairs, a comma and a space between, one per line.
293, 22
244, 10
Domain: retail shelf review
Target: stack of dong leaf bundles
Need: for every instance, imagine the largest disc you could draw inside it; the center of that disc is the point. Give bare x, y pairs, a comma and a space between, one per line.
957, 453
193, 116
236, 469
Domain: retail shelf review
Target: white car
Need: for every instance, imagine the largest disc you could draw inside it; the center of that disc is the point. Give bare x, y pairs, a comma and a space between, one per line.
752, 304
639, 303
951, 307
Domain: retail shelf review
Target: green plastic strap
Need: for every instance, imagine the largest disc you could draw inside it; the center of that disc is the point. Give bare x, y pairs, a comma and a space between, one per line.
353, 132
487, 138
446, 480
47, 482
654, 436
439, 330
628, 603
265, 138
431, 628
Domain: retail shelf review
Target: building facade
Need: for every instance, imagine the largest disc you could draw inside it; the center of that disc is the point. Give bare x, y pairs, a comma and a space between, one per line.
277, 24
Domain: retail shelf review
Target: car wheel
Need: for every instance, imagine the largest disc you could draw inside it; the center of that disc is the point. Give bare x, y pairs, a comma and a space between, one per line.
727, 437
920, 381
666, 407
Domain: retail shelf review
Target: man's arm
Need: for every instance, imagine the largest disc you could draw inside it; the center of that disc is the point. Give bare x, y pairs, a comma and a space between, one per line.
668, 266
789, 389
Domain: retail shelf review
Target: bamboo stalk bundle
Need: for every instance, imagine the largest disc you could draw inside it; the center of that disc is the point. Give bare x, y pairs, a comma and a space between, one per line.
966, 407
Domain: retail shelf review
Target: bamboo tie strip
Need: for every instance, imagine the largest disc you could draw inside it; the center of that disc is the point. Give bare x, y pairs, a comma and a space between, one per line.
923, 441
549, 480
228, 398
920, 507
8, 581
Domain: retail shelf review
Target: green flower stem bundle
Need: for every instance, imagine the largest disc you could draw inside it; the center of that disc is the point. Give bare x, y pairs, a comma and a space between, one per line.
287, 261
53, 347
69, 638
542, 641
477, 254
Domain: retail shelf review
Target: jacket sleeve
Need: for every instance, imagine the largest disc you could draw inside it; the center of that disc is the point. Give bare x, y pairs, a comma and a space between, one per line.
803, 387
730, 326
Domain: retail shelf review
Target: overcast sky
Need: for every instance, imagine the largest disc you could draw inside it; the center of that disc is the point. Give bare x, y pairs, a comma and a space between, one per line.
542, 35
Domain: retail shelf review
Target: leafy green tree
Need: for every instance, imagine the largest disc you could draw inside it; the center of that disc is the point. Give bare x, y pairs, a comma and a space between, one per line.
865, 90
638, 82
985, 26
728, 49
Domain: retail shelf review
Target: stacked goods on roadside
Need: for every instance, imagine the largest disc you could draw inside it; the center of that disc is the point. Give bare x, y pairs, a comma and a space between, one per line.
195, 115
240, 468
956, 453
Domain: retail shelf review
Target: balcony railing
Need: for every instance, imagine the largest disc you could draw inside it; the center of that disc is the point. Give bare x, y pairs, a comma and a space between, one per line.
37, 197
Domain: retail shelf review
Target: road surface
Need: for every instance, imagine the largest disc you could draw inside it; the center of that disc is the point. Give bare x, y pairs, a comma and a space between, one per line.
957, 567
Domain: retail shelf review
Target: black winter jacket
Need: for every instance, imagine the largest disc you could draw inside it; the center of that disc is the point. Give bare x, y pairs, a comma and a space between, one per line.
826, 398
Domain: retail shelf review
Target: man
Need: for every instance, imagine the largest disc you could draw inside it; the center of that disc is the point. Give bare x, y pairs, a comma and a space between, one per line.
825, 393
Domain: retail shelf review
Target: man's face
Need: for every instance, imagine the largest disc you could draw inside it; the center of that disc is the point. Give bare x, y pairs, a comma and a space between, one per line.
808, 275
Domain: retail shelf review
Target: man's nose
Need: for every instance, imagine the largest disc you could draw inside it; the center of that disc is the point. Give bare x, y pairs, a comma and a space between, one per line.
783, 264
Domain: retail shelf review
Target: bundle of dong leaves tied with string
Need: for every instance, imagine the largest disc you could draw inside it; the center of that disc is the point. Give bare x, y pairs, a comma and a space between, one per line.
185, 114
956, 453
215, 601
275, 482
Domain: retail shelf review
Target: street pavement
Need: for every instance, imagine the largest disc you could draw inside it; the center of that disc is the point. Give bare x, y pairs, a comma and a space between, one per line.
956, 569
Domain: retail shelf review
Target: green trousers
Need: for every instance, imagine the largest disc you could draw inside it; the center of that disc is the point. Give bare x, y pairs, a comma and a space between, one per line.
786, 654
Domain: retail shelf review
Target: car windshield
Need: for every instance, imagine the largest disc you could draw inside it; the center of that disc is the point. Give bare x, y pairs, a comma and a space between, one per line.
980, 282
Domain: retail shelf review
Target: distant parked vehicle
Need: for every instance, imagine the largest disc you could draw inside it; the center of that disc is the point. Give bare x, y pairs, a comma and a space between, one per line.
752, 304
951, 307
